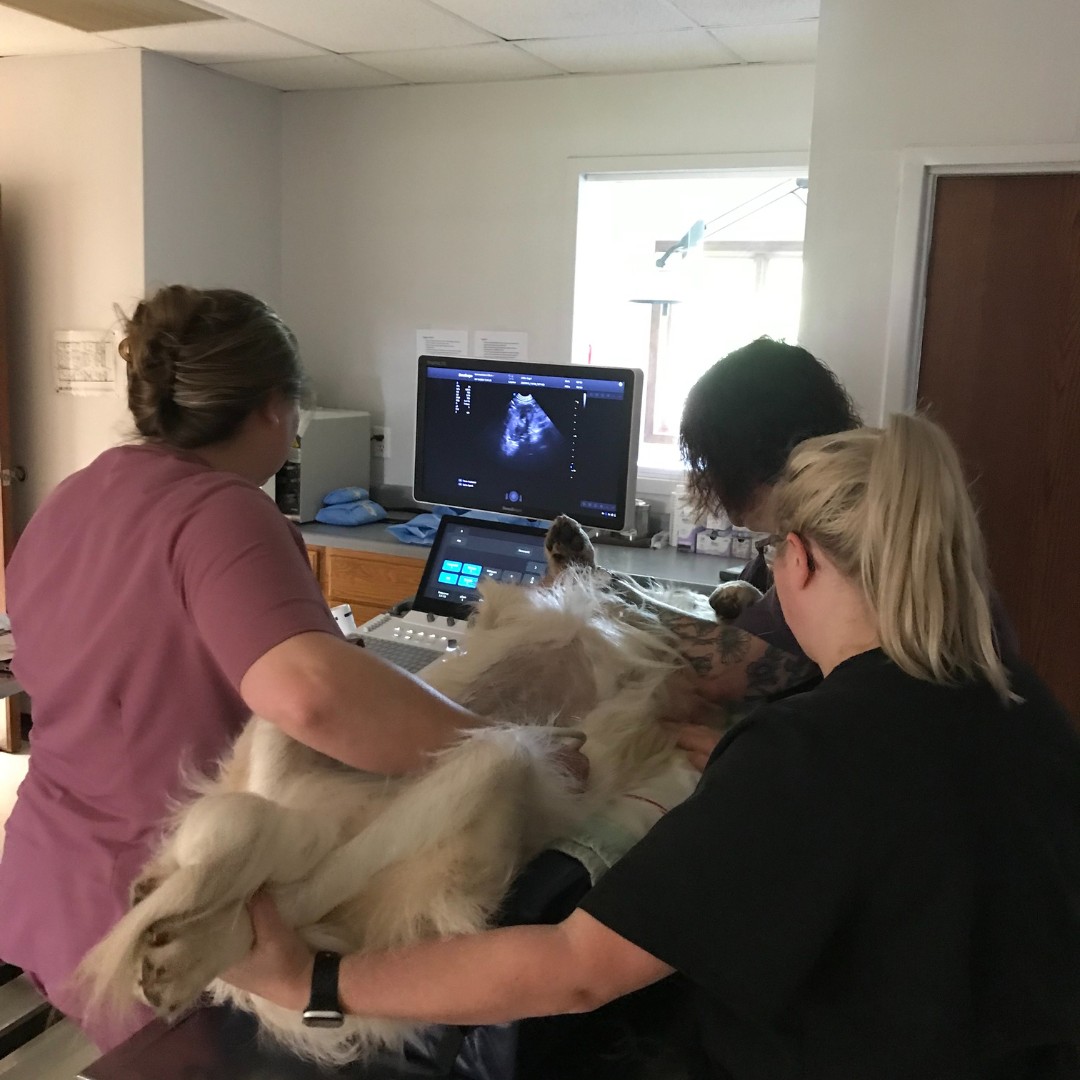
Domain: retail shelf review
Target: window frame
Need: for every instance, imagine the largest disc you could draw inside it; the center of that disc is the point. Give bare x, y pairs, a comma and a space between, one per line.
659, 327
656, 481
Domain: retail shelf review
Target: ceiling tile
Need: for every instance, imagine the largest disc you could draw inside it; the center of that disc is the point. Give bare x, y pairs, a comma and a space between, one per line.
667, 51
748, 12
222, 42
787, 44
469, 63
517, 20
308, 73
353, 26
28, 35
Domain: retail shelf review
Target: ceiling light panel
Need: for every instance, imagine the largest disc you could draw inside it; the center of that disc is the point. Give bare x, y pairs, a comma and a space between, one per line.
28, 35
352, 26
95, 16
517, 20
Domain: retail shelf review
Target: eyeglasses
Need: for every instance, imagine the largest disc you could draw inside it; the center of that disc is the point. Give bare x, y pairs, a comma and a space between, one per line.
771, 546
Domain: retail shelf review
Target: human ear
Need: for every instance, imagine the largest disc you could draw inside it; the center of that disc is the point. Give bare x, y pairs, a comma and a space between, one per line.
800, 558
270, 409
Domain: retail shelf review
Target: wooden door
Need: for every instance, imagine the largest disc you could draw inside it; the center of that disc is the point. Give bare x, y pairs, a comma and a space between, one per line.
1000, 370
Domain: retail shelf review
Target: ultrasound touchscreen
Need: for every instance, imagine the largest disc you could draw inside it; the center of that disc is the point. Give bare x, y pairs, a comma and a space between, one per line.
468, 552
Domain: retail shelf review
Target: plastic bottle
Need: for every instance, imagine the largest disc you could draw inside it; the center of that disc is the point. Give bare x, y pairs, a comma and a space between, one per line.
684, 522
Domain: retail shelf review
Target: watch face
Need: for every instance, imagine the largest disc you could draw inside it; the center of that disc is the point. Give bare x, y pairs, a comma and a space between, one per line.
322, 1018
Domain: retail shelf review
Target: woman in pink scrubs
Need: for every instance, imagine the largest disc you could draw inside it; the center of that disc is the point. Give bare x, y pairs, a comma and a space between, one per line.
158, 597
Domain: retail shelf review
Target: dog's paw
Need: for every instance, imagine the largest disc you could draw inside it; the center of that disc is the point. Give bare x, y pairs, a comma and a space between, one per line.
150, 879
732, 598
567, 544
179, 958
141, 888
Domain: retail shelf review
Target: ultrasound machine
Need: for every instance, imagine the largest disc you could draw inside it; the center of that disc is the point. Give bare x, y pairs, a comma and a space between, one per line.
465, 552
506, 439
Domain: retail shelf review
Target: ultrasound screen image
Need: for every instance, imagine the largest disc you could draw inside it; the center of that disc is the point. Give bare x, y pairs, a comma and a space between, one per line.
528, 431
529, 444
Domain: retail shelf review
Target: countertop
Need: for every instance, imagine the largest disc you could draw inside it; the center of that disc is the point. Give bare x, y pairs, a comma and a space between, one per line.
665, 564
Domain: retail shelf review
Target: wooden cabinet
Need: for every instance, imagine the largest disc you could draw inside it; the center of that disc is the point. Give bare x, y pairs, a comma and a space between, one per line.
369, 582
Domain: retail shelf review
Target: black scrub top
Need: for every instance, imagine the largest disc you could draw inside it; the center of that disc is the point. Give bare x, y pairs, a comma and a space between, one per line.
877, 879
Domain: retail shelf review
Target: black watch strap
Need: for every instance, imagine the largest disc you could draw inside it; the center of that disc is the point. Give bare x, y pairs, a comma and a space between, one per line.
324, 1008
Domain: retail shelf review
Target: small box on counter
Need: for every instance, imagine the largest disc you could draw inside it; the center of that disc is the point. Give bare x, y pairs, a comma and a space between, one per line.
713, 542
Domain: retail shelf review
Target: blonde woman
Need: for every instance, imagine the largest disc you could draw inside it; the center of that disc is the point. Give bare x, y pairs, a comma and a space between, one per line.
878, 878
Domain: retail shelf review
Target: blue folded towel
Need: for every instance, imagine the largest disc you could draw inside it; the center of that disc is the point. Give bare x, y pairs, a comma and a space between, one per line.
344, 495
358, 512
422, 528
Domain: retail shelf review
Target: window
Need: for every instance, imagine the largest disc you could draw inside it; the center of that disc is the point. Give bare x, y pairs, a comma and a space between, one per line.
731, 248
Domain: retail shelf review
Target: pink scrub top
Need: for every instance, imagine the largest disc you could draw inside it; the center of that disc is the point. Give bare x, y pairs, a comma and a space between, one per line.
140, 594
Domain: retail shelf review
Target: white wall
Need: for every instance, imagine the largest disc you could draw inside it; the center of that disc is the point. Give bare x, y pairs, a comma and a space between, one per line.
212, 169
71, 177
454, 206
121, 171
981, 73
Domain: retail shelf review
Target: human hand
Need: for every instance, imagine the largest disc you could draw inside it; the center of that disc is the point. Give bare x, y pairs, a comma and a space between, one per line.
690, 701
698, 740
278, 967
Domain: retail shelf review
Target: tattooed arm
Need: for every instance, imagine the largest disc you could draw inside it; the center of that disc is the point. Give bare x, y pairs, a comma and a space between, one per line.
733, 665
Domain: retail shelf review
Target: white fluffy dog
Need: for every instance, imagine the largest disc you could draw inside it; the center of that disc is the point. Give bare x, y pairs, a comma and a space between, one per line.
357, 861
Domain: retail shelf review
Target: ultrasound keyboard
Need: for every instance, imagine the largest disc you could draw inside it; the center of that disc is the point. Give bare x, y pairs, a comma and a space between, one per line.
401, 653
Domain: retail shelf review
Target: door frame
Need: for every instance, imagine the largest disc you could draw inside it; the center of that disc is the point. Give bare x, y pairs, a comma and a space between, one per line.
920, 168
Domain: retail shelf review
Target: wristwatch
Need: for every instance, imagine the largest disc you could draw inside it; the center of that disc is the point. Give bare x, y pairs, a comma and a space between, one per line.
324, 1008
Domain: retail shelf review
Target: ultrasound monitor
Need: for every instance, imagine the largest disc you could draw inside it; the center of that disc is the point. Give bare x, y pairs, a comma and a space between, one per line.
533, 440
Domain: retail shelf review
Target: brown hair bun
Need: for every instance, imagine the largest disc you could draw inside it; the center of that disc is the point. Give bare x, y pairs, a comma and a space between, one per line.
201, 360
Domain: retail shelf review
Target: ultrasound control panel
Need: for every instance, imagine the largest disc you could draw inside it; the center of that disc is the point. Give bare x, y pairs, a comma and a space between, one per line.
470, 552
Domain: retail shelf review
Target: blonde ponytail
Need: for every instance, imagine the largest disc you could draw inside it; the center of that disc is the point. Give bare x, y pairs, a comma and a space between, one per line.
892, 511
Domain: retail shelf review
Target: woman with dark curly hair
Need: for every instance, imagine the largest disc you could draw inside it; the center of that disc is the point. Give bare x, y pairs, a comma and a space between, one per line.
746, 414
742, 419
